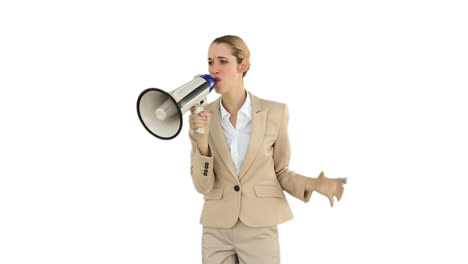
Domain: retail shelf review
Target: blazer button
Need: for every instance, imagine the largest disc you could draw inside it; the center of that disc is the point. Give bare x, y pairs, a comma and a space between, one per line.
206, 163
205, 174
206, 166
236, 188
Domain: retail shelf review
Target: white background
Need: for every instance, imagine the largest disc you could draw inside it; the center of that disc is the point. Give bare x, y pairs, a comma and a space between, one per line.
376, 93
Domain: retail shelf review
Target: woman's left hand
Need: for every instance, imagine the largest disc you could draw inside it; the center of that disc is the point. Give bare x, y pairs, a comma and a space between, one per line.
328, 187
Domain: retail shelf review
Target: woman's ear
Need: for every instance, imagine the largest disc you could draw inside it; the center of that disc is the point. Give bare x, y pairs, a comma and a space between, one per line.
244, 65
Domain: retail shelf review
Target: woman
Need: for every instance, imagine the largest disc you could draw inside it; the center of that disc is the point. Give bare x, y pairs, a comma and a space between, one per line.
240, 164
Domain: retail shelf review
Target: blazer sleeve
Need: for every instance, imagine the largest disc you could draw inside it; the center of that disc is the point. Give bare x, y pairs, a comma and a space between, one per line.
201, 167
293, 183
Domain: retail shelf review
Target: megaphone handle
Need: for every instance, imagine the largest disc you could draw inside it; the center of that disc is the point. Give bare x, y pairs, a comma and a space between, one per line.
200, 130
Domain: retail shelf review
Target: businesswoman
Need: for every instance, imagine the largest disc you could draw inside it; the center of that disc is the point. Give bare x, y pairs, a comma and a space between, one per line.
240, 165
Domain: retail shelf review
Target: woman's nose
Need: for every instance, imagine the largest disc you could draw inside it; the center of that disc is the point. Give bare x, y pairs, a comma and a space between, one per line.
214, 69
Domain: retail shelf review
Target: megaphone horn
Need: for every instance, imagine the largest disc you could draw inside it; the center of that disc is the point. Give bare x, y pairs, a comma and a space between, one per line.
161, 112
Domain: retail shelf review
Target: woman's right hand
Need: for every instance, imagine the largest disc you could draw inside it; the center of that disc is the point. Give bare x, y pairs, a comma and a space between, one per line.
200, 120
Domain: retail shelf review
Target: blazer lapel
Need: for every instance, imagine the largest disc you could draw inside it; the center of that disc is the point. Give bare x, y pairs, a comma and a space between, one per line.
256, 134
217, 136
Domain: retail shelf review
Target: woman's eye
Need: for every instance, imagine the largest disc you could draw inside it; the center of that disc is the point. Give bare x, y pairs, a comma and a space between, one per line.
222, 62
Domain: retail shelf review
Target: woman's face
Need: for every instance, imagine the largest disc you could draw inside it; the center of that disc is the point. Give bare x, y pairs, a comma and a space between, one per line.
223, 67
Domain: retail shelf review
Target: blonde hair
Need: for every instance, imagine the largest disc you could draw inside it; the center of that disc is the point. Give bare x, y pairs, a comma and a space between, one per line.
238, 47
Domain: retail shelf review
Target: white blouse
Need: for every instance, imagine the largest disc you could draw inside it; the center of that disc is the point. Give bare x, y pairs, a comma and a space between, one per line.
237, 138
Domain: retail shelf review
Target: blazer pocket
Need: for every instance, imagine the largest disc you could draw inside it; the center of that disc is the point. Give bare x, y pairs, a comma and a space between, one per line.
268, 191
215, 194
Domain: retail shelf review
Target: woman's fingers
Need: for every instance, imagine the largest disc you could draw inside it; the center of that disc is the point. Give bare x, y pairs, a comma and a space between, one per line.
197, 120
331, 187
198, 123
340, 193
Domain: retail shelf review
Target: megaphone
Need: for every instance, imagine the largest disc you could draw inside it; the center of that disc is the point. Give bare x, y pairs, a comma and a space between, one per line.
161, 112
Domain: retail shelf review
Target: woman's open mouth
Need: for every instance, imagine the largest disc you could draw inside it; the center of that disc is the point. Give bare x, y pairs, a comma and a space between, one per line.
217, 80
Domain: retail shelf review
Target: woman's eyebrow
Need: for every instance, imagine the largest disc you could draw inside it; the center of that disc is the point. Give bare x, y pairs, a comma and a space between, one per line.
219, 57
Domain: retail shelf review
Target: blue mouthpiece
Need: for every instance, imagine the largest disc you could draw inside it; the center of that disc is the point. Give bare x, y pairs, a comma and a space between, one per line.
209, 80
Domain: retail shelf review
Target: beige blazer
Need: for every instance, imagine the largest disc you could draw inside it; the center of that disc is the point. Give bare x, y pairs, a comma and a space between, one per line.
255, 195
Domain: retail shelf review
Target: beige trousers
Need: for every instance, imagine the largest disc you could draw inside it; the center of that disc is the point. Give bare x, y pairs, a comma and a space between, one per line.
240, 245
